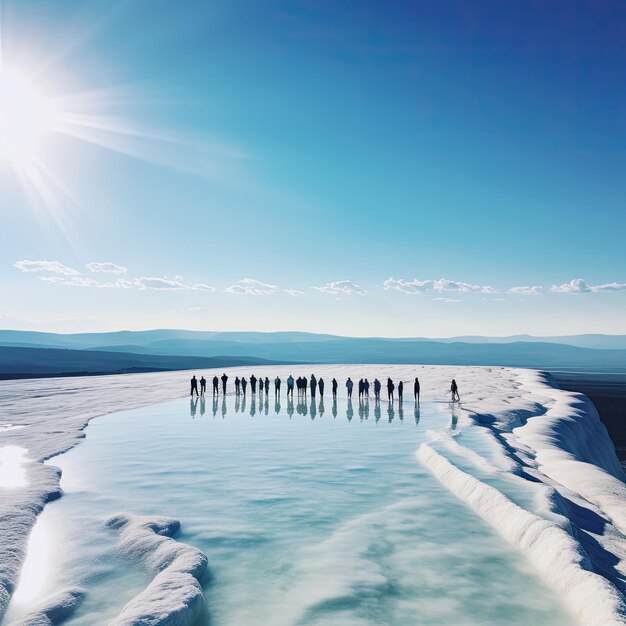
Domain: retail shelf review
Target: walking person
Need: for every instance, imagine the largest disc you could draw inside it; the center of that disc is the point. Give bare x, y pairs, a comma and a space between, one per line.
224, 381
400, 391
194, 385
313, 385
334, 383
320, 386
454, 390
202, 385
349, 385
416, 390
216, 383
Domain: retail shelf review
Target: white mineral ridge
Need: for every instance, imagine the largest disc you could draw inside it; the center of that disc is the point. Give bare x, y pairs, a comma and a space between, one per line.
53, 610
174, 596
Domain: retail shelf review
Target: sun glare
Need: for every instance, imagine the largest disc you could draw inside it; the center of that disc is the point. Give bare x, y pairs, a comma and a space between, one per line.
25, 116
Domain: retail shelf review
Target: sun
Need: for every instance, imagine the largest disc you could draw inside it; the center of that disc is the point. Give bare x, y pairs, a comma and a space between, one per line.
25, 116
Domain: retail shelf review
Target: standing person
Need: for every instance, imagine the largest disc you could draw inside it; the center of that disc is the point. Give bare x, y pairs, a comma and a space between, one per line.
377, 387
277, 387
313, 385
290, 383
390, 388
216, 383
305, 384
334, 389
267, 386
253, 383
454, 391
416, 390
244, 384
400, 391
194, 385
367, 388
237, 386
361, 388
349, 385
320, 385
224, 380
202, 385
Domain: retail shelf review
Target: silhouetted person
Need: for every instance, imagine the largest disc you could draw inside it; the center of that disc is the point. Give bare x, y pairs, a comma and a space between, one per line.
224, 381
194, 385
377, 387
367, 387
334, 390
416, 389
253, 383
202, 385
313, 385
349, 385
361, 388
320, 386
400, 391
305, 384
244, 384
290, 383
237, 386
277, 387
216, 383
390, 388
267, 386
454, 390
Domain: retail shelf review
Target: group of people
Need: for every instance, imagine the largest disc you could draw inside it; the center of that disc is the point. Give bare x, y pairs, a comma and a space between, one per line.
302, 384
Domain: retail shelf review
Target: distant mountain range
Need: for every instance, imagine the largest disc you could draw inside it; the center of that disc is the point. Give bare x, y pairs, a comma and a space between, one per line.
31, 353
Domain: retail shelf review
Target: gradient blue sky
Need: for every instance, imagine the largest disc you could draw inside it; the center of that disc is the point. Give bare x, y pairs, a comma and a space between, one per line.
300, 144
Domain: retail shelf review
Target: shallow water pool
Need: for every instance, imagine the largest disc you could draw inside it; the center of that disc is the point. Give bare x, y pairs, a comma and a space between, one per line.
309, 513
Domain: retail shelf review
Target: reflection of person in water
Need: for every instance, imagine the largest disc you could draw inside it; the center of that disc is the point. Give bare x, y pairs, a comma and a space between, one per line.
454, 390
349, 409
216, 383
377, 409
334, 388
417, 414
194, 385
321, 405
202, 405
313, 411
416, 390
214, 407
244, 384
334, 411
313, 385
202, 385
253, 383
193, 402
320, 386
290, 404
223, 407
290, 383
390, 412
253, 404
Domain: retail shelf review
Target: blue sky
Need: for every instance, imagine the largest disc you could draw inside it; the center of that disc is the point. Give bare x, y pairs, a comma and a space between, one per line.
461, 149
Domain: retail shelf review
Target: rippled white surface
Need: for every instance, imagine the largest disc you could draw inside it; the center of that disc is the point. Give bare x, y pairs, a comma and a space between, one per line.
307, 516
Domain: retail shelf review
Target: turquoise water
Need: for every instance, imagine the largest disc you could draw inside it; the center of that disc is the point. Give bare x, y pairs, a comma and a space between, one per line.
309, 514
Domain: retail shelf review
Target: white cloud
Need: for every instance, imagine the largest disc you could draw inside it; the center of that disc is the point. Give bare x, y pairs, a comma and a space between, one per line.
578, 285
527, 290
202, 287
448, 300
159, 284
106, 268
71, 281
442, 285
294, 292
53, 267
252, 287
342, 287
